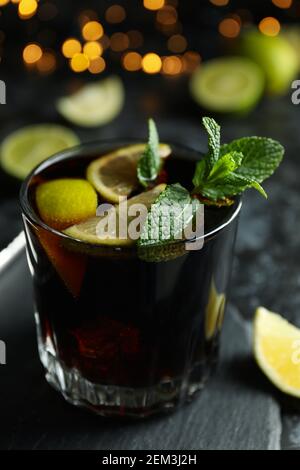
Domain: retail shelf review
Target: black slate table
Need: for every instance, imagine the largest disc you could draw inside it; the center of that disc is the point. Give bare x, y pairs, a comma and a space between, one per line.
239, 409
235, 411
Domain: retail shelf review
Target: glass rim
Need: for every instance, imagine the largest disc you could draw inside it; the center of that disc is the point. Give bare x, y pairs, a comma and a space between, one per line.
76, 151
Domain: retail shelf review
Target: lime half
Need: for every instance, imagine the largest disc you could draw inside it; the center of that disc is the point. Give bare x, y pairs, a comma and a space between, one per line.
228, 85
24, 149
95, 104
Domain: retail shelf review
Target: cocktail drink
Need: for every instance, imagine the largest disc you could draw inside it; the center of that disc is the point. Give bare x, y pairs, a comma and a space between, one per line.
125, 327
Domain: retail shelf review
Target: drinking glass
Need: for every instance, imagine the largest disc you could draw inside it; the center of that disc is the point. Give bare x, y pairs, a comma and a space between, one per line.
116, 334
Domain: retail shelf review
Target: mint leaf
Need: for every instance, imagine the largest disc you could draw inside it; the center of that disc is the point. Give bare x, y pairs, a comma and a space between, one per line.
173, 210
149, 164
200, 173
262, 156
214, 141
222, 169
226, 165
229, 186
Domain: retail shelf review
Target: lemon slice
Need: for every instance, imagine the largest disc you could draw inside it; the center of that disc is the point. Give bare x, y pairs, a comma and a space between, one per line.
115, 175
95, 104
230, 84
66, 201
277, 350
88, 231
25, 148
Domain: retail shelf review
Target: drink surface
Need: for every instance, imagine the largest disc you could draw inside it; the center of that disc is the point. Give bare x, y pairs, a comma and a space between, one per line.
121, 321
178, 168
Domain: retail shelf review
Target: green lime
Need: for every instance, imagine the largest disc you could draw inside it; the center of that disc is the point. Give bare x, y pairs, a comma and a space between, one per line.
94, 104
64, 202
276, 57
228, 85
25, 148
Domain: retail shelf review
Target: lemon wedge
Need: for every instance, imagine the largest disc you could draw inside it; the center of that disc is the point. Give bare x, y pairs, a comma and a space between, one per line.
277, 350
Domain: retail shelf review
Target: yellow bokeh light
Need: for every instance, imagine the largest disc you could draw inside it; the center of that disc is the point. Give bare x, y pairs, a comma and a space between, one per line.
32, 53
172, 65
151, 63
92, 31
132, 61
97, 65
119, 42
3, 2
115, 14
219, 3
177, 43
71, 47
79, 62
27, 8
269, 26
230, 28
92, 49
154, 4
47, 63
15, 1
283, 3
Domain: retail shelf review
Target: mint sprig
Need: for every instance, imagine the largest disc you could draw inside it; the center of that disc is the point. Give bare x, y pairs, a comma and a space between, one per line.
149, 164
171, 213
224, 172
230, 169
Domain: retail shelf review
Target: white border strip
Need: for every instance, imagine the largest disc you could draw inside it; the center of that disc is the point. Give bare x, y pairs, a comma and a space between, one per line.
12, 250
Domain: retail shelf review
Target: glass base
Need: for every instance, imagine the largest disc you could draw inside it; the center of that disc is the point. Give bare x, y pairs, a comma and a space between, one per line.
108, 400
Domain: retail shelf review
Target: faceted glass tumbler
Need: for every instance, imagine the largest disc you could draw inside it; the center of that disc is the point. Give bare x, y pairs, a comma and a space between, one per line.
116, 334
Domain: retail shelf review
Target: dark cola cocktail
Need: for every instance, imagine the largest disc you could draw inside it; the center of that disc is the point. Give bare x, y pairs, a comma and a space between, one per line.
125, 327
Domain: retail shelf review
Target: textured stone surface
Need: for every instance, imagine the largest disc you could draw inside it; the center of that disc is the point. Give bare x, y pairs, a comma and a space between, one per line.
235, 410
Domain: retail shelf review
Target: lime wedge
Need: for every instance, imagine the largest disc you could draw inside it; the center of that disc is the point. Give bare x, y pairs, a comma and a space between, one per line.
228, 85
88, 231
95, 104
24, 149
